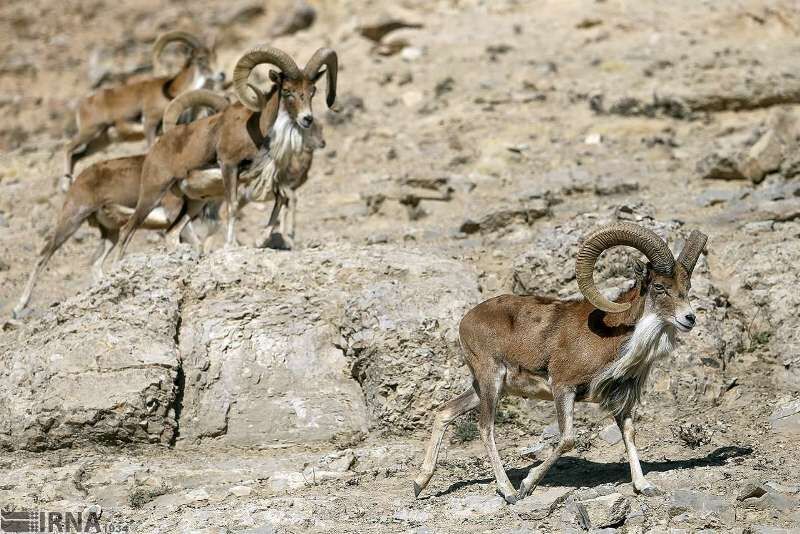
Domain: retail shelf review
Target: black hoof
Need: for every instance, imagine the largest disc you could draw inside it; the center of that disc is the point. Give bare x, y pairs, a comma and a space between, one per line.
417, 490
510, 499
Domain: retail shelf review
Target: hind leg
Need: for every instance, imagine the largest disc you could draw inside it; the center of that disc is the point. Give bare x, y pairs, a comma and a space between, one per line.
174, 234
68, 224
565, 403
444, 416
80, 144
490, 390
110, 239
149, 197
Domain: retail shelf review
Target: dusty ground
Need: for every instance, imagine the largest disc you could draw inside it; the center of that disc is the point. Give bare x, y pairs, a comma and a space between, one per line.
512, 106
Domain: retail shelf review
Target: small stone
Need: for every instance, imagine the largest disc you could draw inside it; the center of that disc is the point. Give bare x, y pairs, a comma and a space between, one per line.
299, 17
241, 491
611, 434
550, 432
749, 490
412, 516
772, 500
593, 139
541, 503
704, 503
475, 506
785, 419
713, 197
536, 451
606, 511
377, 239
412, 99
719, 167
762, 158
377, 30
338, 462
287, 480
197, 495
499, 218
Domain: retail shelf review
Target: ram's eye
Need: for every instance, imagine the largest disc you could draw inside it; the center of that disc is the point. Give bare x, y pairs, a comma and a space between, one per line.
286, 94
658, 288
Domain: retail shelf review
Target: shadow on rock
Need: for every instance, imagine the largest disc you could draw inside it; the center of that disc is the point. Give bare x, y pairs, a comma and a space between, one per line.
569, 471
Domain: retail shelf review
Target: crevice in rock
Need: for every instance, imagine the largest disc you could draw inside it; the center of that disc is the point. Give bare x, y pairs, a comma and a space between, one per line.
180, 376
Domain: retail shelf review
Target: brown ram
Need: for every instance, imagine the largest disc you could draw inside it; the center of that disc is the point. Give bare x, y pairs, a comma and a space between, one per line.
591, 350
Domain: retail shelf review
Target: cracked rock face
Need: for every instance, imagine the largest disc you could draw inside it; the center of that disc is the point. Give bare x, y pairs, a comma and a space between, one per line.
244, 347
101, 368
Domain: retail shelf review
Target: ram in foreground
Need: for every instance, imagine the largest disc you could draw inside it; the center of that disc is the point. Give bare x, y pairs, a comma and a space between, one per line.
592, 350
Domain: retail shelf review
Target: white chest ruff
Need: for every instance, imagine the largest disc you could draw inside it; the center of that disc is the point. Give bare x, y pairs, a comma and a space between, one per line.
619, 386
652, 339
286, 141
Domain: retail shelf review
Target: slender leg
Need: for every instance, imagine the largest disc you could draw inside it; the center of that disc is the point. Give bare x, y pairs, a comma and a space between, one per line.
230, 177
444, 416
175, 233
284, 215
291, 212
148, 199
273, 221
69, 221
640, 483
110, 239
79, 144
151, 124
173, 236
273, 217
490, 391
565, 403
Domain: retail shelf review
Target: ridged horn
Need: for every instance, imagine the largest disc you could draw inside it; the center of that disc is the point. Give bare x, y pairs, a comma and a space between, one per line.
691, 250
189, 99
328, 58
165, 38
628, 234
252, 97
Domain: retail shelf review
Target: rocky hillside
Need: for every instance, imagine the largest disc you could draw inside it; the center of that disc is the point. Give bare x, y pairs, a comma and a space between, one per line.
474, 145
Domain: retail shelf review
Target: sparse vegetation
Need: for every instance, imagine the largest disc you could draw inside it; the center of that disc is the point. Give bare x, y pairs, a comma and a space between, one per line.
465, 430
692, 435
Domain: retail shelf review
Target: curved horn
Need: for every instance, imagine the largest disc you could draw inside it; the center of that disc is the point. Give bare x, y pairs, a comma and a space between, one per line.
198, 97
629, 234
253, 98
691, 250
165, 38
328, 58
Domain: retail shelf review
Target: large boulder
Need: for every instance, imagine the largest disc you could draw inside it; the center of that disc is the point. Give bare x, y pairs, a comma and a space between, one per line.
243, 347
101, 367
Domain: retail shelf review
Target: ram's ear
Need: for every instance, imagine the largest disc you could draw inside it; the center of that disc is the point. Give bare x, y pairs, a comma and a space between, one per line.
275, 76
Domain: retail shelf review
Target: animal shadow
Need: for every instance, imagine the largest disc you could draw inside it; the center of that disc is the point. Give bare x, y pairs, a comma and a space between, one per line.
569, 471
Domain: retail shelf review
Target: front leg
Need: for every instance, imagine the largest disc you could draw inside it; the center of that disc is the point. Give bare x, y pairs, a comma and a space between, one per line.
273, 221
230, 177
564, 398
640, 483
